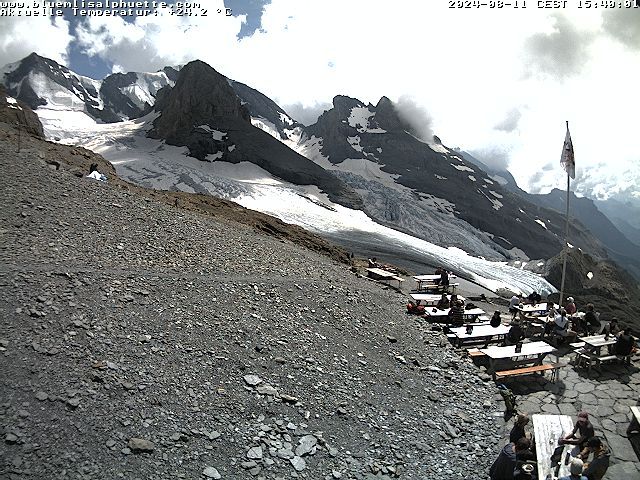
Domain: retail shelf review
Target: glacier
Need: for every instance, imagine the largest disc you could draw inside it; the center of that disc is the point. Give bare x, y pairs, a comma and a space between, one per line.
154, 164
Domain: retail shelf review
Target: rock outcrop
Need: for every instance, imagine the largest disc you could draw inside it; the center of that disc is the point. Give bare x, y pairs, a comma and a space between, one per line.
15, 112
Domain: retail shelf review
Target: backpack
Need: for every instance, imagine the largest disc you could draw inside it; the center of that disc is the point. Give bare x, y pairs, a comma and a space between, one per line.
510, 400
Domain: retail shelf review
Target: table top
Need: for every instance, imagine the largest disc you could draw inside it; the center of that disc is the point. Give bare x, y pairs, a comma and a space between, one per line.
531, 348
443, 313
380, 272
431, 297
426, 278
481, 330
538, 307
598, 341
548, 429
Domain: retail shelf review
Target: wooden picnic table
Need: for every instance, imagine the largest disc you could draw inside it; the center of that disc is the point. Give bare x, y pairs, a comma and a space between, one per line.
438, 314
430, 299
532, 353
596, 342
431, 281
479, 332
537, 308
380, 274
591, 352
548, 429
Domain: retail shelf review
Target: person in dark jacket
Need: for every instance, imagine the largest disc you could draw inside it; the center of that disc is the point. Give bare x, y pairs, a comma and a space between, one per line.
625, 343
515, 333
591, 321
518, 431
456, 314
597, 467
496, 321
443, 303
504, 466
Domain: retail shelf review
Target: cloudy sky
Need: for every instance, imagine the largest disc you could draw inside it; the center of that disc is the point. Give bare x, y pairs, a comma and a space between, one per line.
496, 82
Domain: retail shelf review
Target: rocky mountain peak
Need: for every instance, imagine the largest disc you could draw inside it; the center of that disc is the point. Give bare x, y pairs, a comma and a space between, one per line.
200, 95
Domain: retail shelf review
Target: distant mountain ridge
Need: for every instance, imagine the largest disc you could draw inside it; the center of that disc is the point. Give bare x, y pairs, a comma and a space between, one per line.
39, 81
364, 156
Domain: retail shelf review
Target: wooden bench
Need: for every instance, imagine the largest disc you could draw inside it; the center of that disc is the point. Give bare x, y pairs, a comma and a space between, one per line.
589, 360
553, 367
475, 352
577, 345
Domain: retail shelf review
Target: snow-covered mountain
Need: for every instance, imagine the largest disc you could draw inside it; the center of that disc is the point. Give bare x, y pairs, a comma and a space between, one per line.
370, 178
43, 83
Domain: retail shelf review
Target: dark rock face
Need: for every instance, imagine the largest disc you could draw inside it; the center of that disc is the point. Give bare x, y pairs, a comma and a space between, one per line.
200, 96
262, 106
203, 113
383, 138
115, 100
19, 113
585, 211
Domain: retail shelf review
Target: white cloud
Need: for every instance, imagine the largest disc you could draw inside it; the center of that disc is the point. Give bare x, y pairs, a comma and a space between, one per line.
19, 36
491, 79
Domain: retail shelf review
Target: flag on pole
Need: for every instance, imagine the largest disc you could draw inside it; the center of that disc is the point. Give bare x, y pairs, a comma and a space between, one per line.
568, 160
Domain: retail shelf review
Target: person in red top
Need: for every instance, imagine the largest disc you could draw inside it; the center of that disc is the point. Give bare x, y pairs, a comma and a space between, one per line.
570, 307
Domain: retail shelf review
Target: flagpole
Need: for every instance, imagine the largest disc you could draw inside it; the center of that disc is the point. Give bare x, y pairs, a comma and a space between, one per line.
565, 247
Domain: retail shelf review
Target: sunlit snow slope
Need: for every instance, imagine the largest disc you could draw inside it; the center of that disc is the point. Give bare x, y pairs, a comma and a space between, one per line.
151, 163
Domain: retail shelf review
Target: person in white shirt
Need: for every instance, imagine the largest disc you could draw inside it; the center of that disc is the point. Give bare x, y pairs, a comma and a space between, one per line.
561, 326
514, 303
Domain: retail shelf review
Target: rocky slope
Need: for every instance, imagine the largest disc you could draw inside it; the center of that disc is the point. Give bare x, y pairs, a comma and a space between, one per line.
145, 340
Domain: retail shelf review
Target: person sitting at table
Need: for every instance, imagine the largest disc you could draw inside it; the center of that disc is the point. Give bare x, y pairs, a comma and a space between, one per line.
614, 327
419, 308
575, 471
518, 431
534, 298
456, 314
515, 333
561, 326
504, 466
598, 466
570, 307
454, 299
625, 343
443, 303
496, 321
583, 431
373, 263
514, 303
591, 321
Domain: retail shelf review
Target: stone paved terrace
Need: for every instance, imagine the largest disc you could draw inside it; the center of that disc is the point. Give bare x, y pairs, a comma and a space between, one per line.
605, 395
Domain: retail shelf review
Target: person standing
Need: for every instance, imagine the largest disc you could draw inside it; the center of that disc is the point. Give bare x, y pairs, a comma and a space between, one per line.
570, 307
